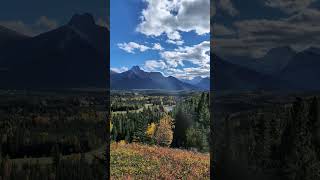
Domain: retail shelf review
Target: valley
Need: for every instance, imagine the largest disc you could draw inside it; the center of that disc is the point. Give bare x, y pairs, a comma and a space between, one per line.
148, 124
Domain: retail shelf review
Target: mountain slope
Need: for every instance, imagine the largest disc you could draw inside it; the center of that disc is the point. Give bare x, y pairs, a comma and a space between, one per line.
135, 78
303, 70
8, 36
71, 56
193, 81
204, 84
228, 76
273, 62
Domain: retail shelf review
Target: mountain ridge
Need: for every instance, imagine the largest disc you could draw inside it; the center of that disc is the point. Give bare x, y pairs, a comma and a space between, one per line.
135, 78
60, 58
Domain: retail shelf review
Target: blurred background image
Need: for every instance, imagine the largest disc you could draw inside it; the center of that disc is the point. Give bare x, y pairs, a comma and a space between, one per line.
53, 89
265, 60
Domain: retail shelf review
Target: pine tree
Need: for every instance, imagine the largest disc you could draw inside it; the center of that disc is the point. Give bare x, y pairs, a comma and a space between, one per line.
300, 159
140, 128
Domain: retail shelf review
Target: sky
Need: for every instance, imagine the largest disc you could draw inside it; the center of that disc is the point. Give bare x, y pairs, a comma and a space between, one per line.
251, 28
168, 36
33, 17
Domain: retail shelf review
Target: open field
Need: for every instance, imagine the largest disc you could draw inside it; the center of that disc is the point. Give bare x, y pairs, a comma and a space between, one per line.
136, 161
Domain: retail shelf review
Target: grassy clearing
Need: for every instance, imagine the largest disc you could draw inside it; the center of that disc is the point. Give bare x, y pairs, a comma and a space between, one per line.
135, 161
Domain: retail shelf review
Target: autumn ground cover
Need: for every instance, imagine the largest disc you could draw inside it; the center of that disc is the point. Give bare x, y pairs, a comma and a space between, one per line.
136, 161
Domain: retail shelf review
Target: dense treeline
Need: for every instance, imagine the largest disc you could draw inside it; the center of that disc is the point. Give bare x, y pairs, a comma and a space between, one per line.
131, 126
190, 122
36, 126
278, 142
33, 128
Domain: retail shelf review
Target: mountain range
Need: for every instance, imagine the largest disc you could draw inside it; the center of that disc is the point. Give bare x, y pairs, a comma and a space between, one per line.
75, 56
229, 76
71, 56
135, 78
280, 69
273, 62
303, 70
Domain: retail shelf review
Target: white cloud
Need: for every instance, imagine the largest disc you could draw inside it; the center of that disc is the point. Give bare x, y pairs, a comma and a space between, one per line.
187, 73
197, 71
132, 46
173, 61
154, 65
42, 24
157, 46
256, 37
179, 42
197, 55
289, 6
120, 70
171, 17
228, 7
221, 30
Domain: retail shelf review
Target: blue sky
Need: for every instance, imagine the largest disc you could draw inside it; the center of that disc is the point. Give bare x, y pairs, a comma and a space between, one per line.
171, 37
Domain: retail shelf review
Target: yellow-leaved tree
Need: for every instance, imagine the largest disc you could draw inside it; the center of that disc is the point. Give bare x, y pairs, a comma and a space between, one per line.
151, 130
164, 133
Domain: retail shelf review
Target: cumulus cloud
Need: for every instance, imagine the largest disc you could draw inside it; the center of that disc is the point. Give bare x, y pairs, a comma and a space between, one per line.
154, 65
171, 17
132, 46
221, 30
257, 36
119, 70
289, 6
228, 7
197, 55
172, 62
179, 42
187, 73
197, 71
42, 24
157, 46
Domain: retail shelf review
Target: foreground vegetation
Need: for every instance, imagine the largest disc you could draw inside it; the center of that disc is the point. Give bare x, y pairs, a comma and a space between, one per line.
136, 161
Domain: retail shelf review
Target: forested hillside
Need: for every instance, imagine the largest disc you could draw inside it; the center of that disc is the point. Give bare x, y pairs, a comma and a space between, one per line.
278, 142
